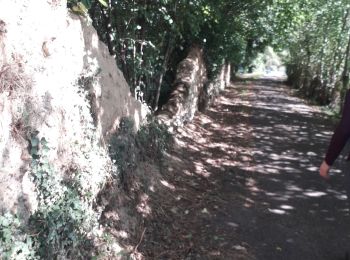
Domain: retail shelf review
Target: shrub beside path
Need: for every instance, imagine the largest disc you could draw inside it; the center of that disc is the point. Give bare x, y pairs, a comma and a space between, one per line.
242, 183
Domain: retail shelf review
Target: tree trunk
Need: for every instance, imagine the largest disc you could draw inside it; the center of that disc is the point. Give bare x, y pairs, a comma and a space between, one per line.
169, 49
248, 55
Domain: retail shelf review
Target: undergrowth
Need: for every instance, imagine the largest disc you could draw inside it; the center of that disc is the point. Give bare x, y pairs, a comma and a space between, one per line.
62, 227
128, 148
15, 243
62, 220
65, 224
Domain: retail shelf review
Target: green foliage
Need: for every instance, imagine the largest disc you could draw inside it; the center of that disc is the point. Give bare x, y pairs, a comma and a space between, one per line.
316, 33
45, 178
149, 38
63, 219
123, 150
62, 228
65, 224
267, 61
153, 139
15, 243
128, 148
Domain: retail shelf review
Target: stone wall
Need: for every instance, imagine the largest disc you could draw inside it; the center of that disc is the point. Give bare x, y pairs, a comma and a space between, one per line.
190, 78
213, 88
191, 90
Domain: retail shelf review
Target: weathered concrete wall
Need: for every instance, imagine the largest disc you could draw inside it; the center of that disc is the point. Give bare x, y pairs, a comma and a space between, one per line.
190, 79
67, 87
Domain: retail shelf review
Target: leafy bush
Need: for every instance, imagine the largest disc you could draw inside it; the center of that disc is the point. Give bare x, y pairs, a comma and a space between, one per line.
66, 222
62, 228
154, 139
64, 217
15, 243
128, 148
123, 150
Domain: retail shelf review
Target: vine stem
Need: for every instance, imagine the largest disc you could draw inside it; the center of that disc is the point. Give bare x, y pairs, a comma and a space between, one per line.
141, 238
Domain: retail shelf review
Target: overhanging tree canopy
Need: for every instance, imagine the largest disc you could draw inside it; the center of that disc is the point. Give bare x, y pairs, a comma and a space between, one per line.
149, 38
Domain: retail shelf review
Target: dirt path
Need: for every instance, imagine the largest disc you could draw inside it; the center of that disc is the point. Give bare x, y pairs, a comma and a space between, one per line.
242, 183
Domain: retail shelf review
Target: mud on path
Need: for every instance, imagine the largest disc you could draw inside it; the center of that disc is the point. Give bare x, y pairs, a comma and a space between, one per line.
242, 183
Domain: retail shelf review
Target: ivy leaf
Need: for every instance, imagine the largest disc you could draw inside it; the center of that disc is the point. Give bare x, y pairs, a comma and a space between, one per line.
46, 167
34, 141
103, 2
6, 234
45, 149
34, 151
43, 141
4, 222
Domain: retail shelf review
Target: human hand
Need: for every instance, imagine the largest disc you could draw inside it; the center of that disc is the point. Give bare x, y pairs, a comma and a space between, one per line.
324, 170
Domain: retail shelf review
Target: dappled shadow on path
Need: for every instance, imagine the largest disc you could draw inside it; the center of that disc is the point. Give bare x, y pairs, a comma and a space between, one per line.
242, 183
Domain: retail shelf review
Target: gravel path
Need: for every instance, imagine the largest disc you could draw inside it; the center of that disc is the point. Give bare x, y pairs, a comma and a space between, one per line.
242, 183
